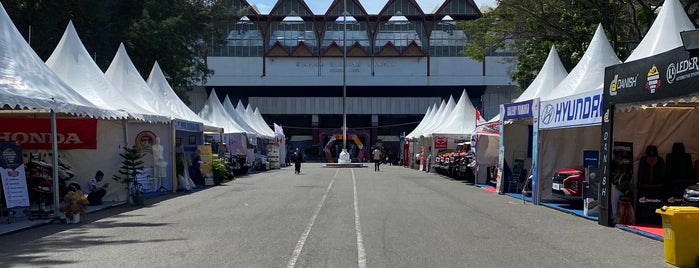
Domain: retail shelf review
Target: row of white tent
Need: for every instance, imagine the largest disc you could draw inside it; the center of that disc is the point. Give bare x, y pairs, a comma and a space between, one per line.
555, 86
70, 84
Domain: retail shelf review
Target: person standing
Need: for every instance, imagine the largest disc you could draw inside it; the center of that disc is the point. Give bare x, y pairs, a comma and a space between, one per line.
376, 156
298, 158
95, 190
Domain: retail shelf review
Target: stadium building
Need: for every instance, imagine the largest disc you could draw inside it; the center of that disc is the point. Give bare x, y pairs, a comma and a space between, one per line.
289, 64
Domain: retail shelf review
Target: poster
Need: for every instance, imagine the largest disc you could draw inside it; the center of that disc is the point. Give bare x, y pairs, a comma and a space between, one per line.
14, 179
207, 168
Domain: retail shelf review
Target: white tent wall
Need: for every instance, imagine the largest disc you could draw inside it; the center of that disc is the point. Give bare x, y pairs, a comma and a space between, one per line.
563, 148
84, 162
660, 127
487, 156
165, 133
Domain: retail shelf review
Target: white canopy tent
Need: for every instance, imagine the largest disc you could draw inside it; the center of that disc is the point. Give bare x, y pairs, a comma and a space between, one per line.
234, 135
27, 83
663, 35
72, 63
513, 136
158, 82
430, 111
570, 116
230, 109
124, 76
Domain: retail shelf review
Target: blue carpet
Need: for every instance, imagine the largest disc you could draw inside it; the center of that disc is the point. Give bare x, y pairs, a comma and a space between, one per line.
519, 196
565, 206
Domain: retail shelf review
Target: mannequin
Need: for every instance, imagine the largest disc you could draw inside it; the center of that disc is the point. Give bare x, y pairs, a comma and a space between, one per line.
159, 161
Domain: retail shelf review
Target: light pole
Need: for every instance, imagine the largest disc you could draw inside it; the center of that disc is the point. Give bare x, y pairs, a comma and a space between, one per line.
344, 157
344, 76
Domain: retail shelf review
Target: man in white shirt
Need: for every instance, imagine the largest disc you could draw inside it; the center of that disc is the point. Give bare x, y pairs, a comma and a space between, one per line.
95, 190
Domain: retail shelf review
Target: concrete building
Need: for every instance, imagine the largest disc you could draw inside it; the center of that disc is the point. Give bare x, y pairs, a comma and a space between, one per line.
289, 64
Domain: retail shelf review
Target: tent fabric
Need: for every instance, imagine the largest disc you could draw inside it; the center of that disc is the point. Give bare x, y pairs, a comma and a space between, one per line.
72, 63
438, 118
550, 75
249, 115
664, 34
461, 120
124, 76
27, 83
158, 83
214, 112
230, 109
431, 111
266, 130
588, 74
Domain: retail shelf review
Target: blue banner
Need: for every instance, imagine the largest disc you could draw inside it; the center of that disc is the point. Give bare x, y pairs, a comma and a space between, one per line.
518, 110
188, 126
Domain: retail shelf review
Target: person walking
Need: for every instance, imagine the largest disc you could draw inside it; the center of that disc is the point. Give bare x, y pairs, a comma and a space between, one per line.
298, 158
376, 155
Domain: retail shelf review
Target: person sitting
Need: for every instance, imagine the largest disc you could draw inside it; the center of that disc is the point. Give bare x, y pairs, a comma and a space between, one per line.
95, 190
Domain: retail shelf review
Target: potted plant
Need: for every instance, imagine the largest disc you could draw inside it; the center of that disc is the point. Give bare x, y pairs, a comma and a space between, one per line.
74, 206
131, 164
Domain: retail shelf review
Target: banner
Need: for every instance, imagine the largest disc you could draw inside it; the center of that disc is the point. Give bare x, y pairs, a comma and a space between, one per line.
441, 142
207, 168
573, 111
35, 133
14, 179
518, 110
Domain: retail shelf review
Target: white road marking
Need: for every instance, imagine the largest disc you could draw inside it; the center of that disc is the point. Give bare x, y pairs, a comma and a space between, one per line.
304, 236
361, 253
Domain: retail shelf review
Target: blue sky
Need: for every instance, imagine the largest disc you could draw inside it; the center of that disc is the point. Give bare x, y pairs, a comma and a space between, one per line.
371, 6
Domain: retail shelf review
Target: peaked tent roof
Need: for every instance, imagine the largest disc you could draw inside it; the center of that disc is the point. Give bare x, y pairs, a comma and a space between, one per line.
427, 120
248, 115
461, 121
27, 83
267, 131
550, 75
664, 34
214, 112
439, 118
588, 74
71, 61
125, 77
158, 83
230, 109
422, 123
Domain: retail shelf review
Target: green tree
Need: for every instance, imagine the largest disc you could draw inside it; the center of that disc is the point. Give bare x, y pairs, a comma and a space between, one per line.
172, 32
531, 27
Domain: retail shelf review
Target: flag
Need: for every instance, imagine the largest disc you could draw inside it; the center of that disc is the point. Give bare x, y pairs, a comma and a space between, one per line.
478, 115
278, 129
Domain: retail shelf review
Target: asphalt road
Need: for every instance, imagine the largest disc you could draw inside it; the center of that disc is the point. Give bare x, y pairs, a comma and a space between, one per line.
328, 217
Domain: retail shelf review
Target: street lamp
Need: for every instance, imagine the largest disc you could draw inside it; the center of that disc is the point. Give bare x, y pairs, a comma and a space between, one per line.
344, 157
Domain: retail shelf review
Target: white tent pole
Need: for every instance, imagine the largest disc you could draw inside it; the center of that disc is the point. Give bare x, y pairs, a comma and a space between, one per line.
54, 163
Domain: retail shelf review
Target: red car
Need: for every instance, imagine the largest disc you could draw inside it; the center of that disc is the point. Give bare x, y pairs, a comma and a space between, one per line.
567, 183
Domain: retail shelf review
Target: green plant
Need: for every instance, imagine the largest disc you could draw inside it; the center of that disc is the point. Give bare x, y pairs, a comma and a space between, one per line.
221, 172
131, 163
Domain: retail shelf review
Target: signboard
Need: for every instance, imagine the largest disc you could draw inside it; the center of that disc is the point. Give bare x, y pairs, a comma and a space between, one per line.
518, 110
441, 142
35, 133
207, 168
666, 75
590, 159
573, 111
14, 179
188, 126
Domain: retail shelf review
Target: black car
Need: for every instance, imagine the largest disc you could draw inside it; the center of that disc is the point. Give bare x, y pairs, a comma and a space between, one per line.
691, 196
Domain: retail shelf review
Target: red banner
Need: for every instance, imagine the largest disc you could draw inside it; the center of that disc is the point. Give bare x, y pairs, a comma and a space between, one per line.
35, 133
441, 142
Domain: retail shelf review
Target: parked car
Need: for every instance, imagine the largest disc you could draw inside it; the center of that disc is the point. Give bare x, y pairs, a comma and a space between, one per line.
567, 183
691, 196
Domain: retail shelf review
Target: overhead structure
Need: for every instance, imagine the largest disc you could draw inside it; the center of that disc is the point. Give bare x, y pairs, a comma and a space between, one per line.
238, 118
663, 35
214, 112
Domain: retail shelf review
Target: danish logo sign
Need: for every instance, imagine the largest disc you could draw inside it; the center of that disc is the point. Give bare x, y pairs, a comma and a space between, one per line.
619, 83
